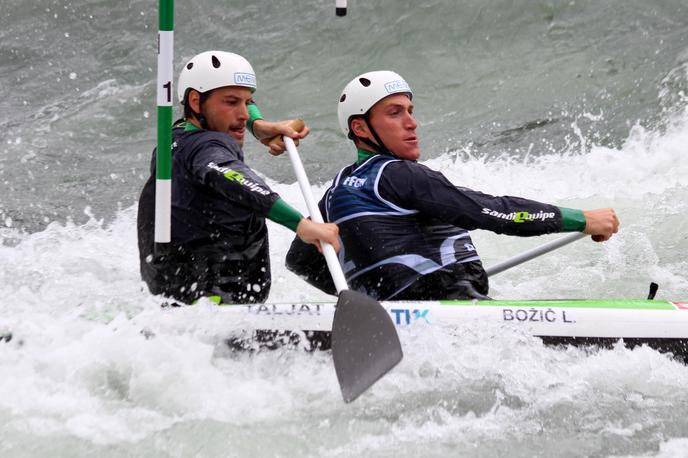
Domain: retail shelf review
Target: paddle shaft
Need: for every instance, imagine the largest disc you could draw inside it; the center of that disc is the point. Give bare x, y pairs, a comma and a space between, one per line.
534, 253
365, 343
304, 184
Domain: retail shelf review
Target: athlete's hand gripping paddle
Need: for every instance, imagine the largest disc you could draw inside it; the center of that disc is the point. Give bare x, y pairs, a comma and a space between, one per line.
365, 344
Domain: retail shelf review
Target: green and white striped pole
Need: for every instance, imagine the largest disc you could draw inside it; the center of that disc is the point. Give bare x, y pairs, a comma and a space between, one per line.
163, 164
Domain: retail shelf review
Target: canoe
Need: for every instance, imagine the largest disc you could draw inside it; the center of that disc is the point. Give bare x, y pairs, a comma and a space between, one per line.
660, 324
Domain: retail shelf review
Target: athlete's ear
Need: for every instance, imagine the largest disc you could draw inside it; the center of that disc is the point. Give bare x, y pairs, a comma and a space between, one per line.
360, 128
194, 100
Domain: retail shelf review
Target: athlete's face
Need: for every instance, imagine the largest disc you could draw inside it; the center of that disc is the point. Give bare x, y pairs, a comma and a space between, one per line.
392, 118
226, 110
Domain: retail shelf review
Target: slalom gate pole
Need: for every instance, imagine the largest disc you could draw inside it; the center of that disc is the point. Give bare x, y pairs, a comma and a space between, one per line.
163, 157
340, 7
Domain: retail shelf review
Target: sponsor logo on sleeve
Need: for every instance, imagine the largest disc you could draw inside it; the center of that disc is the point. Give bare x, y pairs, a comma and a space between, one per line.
233, 175
519, 217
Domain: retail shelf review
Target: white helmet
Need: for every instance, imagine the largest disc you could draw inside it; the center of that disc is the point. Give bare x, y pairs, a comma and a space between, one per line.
212, 69
366, 90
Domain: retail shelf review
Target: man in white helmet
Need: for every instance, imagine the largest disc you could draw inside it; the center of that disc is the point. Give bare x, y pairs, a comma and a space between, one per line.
219, 205
403, 225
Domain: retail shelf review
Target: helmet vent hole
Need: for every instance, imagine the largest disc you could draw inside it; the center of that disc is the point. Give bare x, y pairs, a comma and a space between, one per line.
342, 98
216, 62
189, 66
364, 81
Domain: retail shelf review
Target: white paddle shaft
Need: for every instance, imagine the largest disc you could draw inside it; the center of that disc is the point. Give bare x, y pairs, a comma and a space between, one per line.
328, 250
533, 253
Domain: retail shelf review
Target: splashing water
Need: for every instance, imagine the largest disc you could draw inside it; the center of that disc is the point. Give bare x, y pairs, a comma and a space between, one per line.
512, 98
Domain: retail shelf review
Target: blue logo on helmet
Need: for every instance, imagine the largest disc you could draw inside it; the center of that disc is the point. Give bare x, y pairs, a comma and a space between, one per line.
397, 86
245, 79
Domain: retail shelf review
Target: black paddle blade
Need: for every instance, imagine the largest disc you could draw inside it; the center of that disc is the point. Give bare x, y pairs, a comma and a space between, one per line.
365, 344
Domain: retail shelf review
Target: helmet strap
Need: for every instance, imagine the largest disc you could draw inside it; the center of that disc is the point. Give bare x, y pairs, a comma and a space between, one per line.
201, 120
380, 147
199, 117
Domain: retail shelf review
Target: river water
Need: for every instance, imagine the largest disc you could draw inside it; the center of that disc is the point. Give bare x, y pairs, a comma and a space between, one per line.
579, 103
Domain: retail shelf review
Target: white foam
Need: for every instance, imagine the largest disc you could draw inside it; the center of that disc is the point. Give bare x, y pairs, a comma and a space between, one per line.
80, 364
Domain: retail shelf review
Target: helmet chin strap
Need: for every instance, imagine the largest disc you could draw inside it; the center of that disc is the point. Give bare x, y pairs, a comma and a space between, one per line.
380, 147
201, 119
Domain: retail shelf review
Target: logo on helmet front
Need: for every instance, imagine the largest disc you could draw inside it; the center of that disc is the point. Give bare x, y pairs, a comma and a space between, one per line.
397, 86
245, 79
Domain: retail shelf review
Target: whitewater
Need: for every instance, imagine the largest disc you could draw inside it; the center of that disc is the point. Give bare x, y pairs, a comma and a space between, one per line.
94, 365
90, 364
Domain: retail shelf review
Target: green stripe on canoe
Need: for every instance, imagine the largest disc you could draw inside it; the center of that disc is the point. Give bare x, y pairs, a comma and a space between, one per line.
612, 304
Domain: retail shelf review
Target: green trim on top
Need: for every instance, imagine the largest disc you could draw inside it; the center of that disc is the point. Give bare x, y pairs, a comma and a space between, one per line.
254, 115
364, 155
284, 214
572, 220
163, 157
166, 15
615, 304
